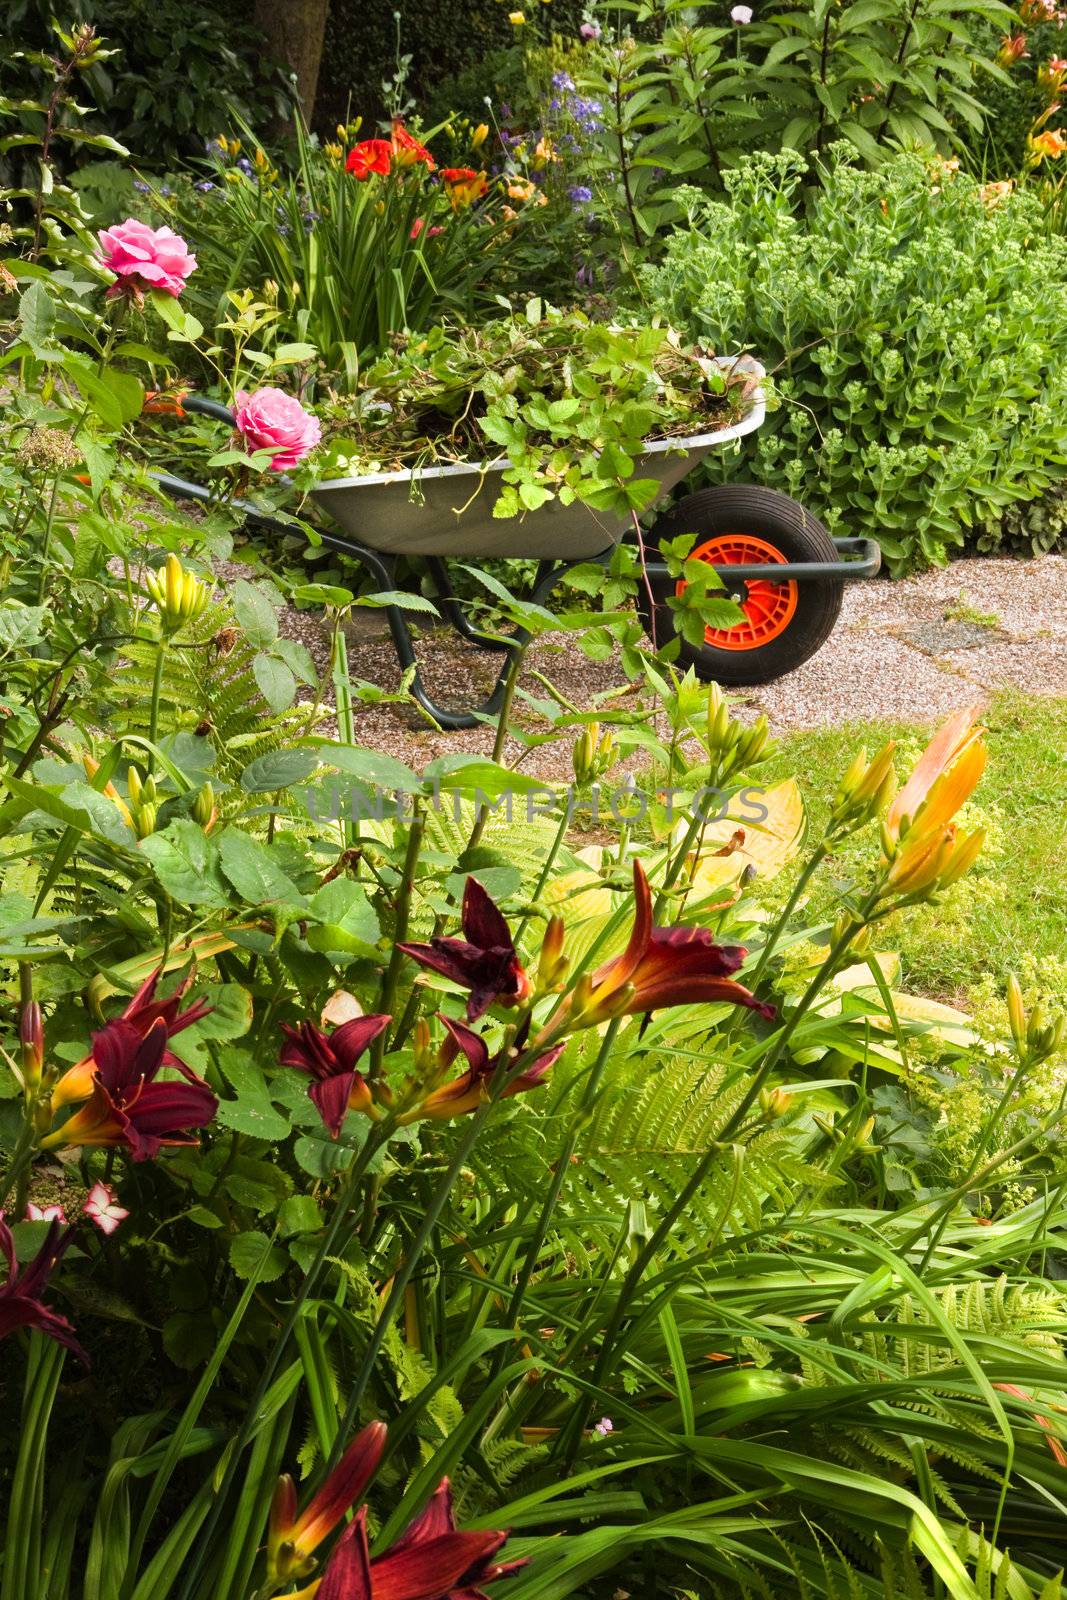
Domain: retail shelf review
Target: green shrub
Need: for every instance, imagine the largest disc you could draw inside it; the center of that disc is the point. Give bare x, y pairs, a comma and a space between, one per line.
1026, 527
184, 67
443, 38
917, 330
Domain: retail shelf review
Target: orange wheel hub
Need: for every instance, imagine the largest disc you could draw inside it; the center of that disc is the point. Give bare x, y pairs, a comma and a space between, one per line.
768, 607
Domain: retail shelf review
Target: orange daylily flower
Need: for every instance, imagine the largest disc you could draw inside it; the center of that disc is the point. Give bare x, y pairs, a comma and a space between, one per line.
945, 775
1052, 143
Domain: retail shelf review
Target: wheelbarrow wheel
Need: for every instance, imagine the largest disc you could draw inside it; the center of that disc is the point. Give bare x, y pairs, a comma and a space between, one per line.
784, 623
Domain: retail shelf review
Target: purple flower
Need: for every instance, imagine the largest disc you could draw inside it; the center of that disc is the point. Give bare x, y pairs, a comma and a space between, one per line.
142, 187
580, 194
590, 30
205, 187
245, 166
563, 80
20, 1296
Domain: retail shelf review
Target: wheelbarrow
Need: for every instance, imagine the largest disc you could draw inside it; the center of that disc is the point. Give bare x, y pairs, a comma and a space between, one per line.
772, 556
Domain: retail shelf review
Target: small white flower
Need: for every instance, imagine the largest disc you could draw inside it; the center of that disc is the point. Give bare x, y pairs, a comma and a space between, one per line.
44, 1213
741, 15
101, 1208
604, 1427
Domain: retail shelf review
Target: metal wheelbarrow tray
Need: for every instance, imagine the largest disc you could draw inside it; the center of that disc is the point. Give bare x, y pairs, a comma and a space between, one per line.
450, 513
772, 555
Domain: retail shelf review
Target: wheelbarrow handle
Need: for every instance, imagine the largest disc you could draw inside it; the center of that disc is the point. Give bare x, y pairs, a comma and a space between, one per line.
200, 405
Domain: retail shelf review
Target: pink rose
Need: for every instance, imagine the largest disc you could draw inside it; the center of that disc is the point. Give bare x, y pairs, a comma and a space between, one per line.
270, 419
145, 258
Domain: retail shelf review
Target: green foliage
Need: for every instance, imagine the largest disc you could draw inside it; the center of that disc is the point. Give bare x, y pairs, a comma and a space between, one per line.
912, 328
172, 67
1026, 527
439, 39
353, 259
684, 93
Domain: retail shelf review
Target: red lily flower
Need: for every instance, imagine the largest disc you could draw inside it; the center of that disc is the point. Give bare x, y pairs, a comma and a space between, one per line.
484, 961
432, 1560
467, 1092
127, 1106
330, 1061
372, 155
142, 1013
292, 1539
20, 1297
662, 967
407, 149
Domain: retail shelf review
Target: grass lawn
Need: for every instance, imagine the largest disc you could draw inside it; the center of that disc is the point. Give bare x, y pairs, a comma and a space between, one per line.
1011, 913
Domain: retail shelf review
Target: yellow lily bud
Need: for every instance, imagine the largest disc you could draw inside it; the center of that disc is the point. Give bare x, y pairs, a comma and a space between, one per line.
920, 864
91, 769
180, 597
584, 753
172, 584
1016, 1011
715, 701
204, 810
553, 964
479, 136
963, 857
863, 1142
875, 776
847, 787
774, 1103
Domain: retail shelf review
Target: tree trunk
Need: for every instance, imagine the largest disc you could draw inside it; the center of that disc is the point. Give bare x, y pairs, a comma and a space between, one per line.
294, 32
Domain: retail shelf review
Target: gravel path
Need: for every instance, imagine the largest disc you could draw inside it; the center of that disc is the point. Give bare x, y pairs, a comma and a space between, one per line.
912, 650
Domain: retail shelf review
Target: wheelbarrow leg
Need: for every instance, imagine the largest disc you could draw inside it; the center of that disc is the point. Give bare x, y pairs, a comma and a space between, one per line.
382, 570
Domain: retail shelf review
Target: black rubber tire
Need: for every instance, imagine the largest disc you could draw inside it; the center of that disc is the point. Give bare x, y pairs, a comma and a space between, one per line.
766, 514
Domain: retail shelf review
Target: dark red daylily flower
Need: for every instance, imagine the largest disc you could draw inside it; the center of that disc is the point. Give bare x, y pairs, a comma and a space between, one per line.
664, 967
292, 1539
330, 1060
483, 961
467, 1092
432, 1560
142, 1013
20, 1296
127, 1107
